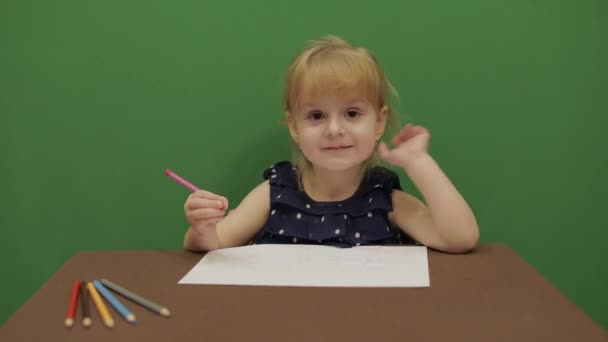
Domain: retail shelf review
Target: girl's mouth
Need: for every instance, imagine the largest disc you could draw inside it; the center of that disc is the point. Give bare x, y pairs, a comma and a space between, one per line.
337, 148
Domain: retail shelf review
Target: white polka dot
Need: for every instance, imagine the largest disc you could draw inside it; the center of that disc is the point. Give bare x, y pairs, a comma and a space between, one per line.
273, 176
293, 168
295, 240
358, 244
345, 216
273, 170
273, 212
357, 235
369, 214
370, 200
387, 229
337, 231
279, 196
377, 186
299, 216
281, 231
339, 205
307, 205
322, 218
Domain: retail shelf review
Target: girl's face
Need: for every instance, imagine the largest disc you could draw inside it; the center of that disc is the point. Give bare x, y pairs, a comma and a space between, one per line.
336, 132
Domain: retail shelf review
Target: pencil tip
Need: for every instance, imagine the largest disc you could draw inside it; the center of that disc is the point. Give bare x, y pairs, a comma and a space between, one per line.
86, 322
131, 318
110, 323
69, 322
165, 312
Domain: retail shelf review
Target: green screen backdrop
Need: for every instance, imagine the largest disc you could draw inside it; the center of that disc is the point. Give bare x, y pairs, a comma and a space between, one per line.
97, 98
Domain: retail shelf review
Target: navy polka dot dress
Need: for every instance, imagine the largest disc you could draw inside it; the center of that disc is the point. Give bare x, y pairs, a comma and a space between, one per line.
359, 220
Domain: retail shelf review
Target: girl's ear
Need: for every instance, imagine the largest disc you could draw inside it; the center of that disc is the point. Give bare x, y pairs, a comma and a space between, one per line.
291, 123
381, 122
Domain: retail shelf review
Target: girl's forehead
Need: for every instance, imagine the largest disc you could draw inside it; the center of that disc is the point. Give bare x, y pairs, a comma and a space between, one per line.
315, 97
316, 86
340, 98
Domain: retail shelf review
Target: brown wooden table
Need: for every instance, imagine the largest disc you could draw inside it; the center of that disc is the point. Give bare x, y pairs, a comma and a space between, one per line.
488, 295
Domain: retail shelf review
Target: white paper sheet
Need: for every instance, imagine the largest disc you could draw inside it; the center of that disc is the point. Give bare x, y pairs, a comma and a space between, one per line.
312, 265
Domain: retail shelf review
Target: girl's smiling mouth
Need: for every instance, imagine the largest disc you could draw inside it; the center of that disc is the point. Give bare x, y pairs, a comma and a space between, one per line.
336, 148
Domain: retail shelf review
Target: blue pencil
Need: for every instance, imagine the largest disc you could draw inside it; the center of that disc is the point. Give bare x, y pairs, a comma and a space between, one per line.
124, 312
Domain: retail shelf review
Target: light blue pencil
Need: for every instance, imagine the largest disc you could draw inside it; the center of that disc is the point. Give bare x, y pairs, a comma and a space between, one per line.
124, 312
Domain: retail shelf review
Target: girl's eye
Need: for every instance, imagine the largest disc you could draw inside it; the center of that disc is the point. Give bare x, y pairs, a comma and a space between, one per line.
315, 116
352, 113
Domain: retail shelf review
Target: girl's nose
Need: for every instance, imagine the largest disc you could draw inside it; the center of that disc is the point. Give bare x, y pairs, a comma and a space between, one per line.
334, 126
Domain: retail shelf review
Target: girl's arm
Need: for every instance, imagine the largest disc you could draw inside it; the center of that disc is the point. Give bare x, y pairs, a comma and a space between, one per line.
238, 227
447, 223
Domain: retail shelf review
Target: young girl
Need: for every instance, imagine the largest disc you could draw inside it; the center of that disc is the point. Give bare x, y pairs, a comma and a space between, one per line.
336, 108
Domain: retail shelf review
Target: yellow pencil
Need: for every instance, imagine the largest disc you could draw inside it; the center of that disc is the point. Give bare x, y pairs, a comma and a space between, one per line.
101, 307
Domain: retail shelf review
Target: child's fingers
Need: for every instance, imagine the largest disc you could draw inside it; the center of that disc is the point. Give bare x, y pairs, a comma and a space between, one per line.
383, 149
205, 194
198, 203
408, 132
402, 135
200, 225
214, 220
421, 130
396, 140
205, 213
207, 221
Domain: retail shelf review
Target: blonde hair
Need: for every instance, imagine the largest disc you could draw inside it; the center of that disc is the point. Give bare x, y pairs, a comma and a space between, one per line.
332, 65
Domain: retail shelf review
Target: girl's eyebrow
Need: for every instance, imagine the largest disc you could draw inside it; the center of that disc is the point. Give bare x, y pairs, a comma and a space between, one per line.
358, 102
309, 105
309, 108
351, 103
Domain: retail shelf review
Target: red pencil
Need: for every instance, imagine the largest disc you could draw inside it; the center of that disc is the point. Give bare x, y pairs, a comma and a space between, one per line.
69, 321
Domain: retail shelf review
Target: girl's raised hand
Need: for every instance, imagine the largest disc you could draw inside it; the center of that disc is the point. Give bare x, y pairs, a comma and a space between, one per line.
409, 143
204, 209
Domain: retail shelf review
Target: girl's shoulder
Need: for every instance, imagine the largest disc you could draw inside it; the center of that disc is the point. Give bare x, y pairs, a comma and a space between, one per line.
379, 176
281, 173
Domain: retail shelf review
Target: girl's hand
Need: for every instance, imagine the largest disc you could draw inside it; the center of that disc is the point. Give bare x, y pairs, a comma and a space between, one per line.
410, 143
204, 209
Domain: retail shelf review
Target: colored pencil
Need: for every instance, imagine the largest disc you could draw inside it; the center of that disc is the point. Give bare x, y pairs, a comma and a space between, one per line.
180, 180
69, 321
161, 310
122, 310
84, 303
101, 307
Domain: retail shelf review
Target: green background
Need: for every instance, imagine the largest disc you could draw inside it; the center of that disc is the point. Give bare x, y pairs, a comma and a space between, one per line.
97, 98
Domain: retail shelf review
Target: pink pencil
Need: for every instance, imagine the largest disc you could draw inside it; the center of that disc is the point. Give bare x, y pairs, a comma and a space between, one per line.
181, 181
